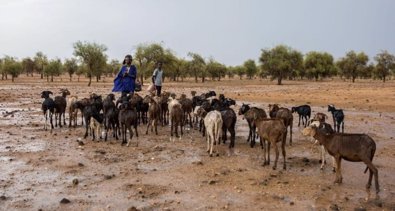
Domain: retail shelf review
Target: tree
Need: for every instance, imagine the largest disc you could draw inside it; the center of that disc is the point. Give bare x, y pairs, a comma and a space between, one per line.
240, 71
385, 63
197, 65
3, 74
114, 66
215, 69
12, 67
28, 66
280, 62
250, 68
230, 72
318, 65
146, 56
93, 56
71, 66
353, 64
40, 60
53, 68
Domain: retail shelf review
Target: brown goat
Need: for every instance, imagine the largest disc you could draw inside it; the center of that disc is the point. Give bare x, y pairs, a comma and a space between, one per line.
153, 114
250, 114
272, 131
321, 117
282, 113
350, 147
177, 119
187, 107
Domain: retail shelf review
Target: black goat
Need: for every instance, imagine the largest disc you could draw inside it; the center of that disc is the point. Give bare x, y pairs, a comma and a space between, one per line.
48, 107
60, 107
251, 114
127, 118
228, 123
93, 109
338, 118
304, 112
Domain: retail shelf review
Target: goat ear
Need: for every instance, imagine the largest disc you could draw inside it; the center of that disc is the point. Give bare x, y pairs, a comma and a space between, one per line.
49, 92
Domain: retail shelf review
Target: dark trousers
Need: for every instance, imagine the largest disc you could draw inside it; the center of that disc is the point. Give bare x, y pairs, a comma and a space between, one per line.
158, 90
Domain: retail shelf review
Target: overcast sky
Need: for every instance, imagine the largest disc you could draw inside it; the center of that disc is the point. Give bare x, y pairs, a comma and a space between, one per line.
231, 31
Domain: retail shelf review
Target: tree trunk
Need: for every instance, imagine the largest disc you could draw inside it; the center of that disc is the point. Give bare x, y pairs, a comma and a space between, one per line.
196, 78
90, 80
47, 78
279, 79
97, 78
70, 78
12, 78
203, 79
353, 79
42, 75
51, 78
141, 79
384, 79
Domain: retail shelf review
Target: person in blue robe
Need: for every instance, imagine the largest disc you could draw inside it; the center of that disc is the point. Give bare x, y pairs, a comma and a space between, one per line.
125, 81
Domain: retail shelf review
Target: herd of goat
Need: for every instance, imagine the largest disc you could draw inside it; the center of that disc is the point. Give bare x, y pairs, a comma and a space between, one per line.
214, 117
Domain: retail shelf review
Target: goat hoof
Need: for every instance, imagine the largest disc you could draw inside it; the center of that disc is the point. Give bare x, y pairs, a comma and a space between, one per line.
217, 154
211, 155
274, 167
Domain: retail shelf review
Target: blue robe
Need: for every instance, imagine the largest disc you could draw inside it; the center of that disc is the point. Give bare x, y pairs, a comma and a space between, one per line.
126, 83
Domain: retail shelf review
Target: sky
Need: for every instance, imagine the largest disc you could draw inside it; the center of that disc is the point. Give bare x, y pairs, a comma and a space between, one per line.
230, 31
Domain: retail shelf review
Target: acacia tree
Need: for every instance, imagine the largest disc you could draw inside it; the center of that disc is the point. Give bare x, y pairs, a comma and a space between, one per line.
114, 66
53, 68
40, 60
71, 66
28, 66
146, 56
280, 62
196, 65
250, 68
3, 75
93, 56
12, 66
318, 65
385, 63
353, 64
215, 69
240, 71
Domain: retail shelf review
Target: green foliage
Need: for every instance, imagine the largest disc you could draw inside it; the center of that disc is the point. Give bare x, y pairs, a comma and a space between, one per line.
12, 66
385, 63
28, 65
147, 55
113, 67
93, 56
70, 66
319, 65
197, 66
215, 69
250, 68
40, 60
353, 64
280, 62
240, 71
54, 68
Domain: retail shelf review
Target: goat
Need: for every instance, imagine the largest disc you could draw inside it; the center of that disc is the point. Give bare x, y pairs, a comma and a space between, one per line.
282, 113
48, 107
153, 114
127, 118
213, 124
350, 147
93, 109
108, 102
249, 115
187, 106
80, 105
60, 107
112, 122
164, 108
228, 123
73, 110
272, 131
304, 112
327, 129
338, 118
177, 119
96, 125
321, 117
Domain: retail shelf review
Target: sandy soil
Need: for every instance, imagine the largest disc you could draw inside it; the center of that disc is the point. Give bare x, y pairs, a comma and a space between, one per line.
37, 168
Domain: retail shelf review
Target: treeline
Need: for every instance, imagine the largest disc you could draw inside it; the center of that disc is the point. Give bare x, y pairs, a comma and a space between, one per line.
278, 63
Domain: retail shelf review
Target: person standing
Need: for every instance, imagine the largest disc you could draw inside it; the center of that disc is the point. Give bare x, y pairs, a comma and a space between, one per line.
157, 78
125, 81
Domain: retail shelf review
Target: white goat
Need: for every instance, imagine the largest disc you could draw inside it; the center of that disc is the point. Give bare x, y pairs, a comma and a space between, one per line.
73, 111
213, 123
97, 127
323, 151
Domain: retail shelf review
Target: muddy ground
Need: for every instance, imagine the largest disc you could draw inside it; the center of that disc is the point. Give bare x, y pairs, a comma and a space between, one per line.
37, 168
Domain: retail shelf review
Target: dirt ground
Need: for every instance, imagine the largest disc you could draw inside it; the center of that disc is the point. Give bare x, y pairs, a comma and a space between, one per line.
37, 168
